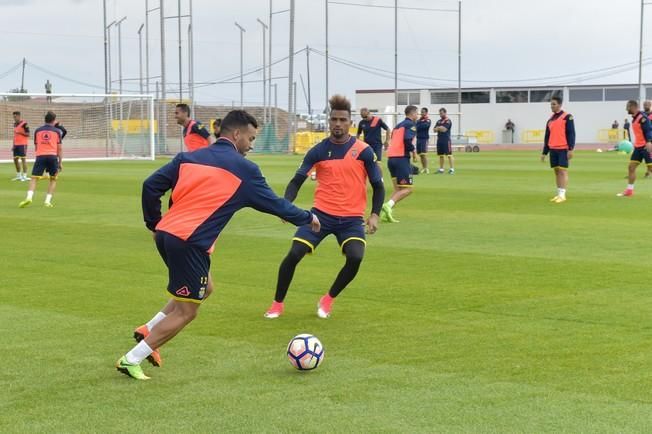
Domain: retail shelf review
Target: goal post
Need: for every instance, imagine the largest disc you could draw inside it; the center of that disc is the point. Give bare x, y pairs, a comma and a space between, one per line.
99, 126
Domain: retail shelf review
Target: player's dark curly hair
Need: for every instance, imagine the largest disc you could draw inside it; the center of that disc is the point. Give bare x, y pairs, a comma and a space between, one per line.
339, 102
237, 119
50, 117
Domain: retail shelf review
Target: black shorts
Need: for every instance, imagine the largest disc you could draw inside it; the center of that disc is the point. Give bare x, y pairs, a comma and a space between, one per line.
378, 150
401, 170
46, 163
345, 229
19, 151
188, 267
641, 154
444, 148
422, 146
559, 158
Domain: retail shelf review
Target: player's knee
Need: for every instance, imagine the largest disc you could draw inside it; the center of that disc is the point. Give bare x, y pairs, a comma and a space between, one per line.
187, 311
298, 251
354, 252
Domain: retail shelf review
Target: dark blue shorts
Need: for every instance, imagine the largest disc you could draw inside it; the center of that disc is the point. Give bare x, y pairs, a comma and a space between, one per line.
345, 229
378, 150
422, 146
46, 163
444, 148
401, 170
19, 151
188, 267
641, 154
559, 158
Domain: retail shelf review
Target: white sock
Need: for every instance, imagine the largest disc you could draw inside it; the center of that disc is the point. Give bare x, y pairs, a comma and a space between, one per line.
561, 192
30, 195
391, 203
19, 174
630, 186
48, 198
157, 319
138, 353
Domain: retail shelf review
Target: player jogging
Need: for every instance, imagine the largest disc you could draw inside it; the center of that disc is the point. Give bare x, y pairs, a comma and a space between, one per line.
443, 128
195, 135
208, 187
642, 129
559, 142
423, 135
343, 163
400, 150
49, 157
19, 149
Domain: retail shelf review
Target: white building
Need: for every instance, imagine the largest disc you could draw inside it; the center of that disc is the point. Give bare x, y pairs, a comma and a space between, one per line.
484, 111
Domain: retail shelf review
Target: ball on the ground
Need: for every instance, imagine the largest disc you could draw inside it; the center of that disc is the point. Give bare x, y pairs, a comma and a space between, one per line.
625, 146
305, 352
598, 150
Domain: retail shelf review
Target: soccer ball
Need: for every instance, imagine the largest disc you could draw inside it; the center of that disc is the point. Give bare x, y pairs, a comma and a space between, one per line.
305, 352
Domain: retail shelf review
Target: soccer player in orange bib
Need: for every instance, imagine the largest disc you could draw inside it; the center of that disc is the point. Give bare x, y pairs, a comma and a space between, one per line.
19, 149
195, 135
400, 150
208, 187
559, 143
49, 157
642, 128
343, 164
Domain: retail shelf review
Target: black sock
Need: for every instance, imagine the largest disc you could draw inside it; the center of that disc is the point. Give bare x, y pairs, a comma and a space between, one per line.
286, 270
354, 251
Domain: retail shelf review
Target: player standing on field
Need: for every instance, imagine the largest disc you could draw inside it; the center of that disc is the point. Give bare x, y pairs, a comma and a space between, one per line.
400, 150
642, 129
19, 149
423, 135
370, 126
49, 157
344, 164
208, 186
443, 128
195, 135
559, 142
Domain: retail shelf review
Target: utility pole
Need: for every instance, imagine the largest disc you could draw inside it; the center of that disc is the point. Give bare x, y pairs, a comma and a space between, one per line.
119, 24
242, 31
163, 121
308, 78
180, 61
269, 66
640, 56
396, 60
22, 78
459, 68
106, 52
291, 84
140, 57
264, 26
326, 110
191, 58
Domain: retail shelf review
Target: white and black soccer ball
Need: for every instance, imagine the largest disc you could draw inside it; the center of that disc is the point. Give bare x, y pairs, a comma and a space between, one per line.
305, 352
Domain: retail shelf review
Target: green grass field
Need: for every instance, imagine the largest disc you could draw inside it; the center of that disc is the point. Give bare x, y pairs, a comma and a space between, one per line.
487, 309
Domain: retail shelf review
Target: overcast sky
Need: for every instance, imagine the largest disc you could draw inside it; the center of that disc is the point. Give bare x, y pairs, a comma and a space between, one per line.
503, 41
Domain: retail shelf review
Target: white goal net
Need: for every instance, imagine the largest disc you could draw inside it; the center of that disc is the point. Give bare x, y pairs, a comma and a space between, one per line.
99, 126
